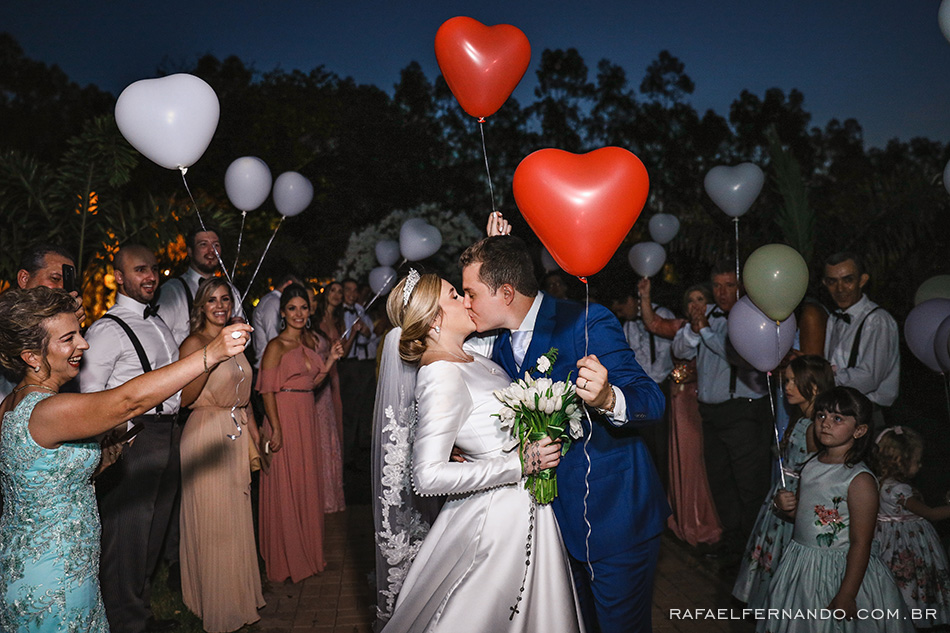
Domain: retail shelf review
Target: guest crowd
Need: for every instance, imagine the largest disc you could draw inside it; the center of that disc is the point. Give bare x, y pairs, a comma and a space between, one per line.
185, 403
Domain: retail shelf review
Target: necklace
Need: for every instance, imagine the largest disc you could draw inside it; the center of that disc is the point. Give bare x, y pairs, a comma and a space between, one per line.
22, 387
463, 357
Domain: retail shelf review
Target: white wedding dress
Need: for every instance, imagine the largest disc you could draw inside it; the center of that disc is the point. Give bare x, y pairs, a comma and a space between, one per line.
468, 572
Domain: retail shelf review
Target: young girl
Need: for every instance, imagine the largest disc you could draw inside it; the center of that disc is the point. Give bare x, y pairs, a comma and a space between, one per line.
805, 378
909, 544
828, 564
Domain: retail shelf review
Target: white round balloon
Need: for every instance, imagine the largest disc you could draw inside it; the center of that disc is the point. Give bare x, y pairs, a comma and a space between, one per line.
170, 120
292, 193
247, 182
387, 252
382, 279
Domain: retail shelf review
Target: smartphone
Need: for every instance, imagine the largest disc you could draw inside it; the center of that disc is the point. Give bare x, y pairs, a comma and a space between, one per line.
69, 278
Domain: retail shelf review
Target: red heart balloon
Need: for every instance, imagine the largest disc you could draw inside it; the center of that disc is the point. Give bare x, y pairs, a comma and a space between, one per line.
581, 206
481, 64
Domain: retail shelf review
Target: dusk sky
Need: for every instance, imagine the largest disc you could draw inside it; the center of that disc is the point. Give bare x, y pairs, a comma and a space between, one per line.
882, 62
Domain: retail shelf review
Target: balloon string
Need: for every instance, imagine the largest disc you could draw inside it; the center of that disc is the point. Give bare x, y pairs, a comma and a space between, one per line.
778, 445
217, 254
240, 235
946, 389
590, 434
261, 261
375, 297
491, 190
237, 400
736, 221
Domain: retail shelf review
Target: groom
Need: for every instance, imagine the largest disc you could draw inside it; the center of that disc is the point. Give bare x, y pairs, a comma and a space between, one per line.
625, 506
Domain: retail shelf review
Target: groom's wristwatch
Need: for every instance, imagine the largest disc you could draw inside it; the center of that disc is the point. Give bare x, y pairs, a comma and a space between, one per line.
608, 410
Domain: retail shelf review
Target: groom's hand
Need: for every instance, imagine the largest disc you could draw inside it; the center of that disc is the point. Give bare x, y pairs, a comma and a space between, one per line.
497, 224
592, 384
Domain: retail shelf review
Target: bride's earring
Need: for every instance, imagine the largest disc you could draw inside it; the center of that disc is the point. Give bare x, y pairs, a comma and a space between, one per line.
436, 328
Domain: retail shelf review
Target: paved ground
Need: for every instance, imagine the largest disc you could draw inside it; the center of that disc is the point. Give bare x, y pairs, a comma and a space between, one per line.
341, 599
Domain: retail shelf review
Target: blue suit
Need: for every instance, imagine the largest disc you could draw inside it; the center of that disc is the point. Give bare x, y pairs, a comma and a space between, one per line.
626, 505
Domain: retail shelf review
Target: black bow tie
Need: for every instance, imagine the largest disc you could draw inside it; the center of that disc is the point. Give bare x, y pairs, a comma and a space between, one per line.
150, 311
844, 316
349, 309
716, 312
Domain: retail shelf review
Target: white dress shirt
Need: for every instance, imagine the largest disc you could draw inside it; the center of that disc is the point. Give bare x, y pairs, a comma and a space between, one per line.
174, 303
484, 345
111, 359
714, 358
266, 321
659, 364
365, 345
877, 371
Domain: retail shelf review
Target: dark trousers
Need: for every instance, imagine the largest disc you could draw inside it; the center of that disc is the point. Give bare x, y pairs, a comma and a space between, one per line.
737, 437
657, 439
620, 597
136, 495
358, 393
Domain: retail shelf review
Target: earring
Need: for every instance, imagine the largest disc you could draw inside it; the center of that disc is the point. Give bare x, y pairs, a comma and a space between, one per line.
283, 324
308, 323
37, 369
434, 327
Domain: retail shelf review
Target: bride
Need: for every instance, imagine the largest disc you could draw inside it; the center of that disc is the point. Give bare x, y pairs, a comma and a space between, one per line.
472, 571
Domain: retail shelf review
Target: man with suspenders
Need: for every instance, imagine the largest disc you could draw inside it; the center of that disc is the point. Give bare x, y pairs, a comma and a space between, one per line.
137, 493
861, 341
177, 295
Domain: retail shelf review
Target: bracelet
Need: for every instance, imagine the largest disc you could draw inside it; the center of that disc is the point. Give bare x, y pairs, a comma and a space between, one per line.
609, 409
204, 355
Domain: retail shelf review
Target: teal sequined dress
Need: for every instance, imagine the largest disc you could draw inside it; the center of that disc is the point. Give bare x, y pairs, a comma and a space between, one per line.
49, 532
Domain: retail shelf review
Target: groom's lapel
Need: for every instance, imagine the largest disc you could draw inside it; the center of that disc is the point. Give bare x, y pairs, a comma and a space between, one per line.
541, 335
503, 354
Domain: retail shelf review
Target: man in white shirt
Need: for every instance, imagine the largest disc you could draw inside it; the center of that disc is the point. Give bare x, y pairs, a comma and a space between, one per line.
357, 380
862, 342
177, 295
266, 317
137, 493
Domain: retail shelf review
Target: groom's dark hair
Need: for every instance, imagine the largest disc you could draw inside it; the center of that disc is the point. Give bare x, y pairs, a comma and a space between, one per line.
504, 260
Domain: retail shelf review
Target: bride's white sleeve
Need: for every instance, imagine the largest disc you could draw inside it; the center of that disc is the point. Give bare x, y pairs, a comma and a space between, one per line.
444, 406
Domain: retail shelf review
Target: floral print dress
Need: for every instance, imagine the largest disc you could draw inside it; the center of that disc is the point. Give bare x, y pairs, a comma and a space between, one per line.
771, 533
813, 564
911, 549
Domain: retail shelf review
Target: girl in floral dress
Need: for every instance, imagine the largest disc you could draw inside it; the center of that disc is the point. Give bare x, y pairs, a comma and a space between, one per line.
831, 563
910, 546
805, 378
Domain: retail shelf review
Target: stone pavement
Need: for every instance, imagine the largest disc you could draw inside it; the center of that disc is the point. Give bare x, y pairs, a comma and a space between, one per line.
341, 599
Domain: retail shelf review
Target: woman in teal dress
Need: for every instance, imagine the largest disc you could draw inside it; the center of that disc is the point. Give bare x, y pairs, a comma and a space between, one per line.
49, 528
805, 378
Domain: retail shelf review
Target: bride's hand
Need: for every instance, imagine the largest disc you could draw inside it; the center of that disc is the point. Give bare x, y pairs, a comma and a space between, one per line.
541, 455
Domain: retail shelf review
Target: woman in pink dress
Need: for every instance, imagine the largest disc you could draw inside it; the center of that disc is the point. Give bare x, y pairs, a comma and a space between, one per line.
328, 316
291, 496
694, 517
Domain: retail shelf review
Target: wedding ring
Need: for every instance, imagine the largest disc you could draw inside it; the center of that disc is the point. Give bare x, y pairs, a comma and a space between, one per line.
586, 381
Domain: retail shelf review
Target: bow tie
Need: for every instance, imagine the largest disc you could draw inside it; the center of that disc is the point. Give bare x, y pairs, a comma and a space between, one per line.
716, 312
349, 310
844, 316
150, 311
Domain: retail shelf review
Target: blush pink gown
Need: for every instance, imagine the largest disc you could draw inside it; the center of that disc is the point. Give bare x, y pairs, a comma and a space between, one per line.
331, 451
291, 498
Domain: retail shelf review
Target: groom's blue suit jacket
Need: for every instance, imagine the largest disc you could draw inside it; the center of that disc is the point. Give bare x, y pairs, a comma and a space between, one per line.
626, 504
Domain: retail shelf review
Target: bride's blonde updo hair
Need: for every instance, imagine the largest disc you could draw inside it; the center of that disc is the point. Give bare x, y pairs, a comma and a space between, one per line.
415, 317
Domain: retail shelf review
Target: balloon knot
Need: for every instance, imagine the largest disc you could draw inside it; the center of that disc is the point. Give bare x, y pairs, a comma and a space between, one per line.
583, 279
184, 170
481, 119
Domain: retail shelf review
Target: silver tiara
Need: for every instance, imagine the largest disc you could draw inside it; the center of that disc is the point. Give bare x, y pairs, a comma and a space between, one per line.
411, 280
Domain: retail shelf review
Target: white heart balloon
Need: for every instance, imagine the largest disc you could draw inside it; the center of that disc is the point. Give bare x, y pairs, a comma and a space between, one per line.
946, 170
664, 227
169, 120
943, 18
646, 258
247, 182
734, 189
419, 239
387, 252
382, 279
292, 193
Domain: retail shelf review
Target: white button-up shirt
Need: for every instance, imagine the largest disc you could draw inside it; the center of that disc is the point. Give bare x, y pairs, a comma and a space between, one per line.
365, 345
659, 364
266, 319
111, 359
876, 373
174, 303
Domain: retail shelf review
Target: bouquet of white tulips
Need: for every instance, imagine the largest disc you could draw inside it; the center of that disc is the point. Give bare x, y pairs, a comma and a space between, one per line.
535, 408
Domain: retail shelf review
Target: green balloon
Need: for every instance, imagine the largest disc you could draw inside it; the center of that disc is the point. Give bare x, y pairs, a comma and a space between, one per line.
775, 278
934, 288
